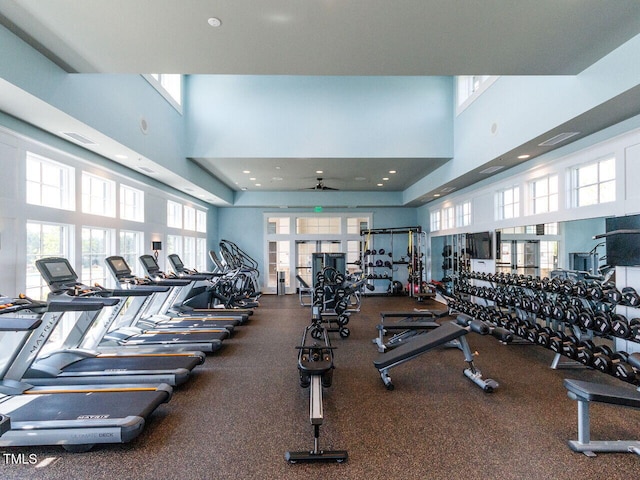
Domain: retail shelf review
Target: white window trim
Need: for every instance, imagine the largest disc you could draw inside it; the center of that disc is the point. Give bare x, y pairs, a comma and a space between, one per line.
165, 94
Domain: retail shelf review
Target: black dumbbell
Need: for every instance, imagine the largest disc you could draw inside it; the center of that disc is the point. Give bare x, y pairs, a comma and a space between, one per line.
602, 359
586, 320
602, 323
622, 369
614, 296
620, 326
631, 297
585, 352
544, 336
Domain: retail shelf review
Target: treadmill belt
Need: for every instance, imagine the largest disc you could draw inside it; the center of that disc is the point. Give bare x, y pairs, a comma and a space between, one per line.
94, 405
133, 363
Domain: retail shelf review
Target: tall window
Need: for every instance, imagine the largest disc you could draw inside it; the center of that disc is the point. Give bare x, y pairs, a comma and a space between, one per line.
201, 221
508, 203
96, 246
595, 183
435, 221
174, 214
49, 183
201, 254
318, 225
98, 195
131, 204
174, 245
278, 260
448, 218
543, 194
463, 214
189, 219
548, 257
189, 252
43, 240
131, 247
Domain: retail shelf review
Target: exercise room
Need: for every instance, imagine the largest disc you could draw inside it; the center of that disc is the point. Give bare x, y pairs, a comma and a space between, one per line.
321, 239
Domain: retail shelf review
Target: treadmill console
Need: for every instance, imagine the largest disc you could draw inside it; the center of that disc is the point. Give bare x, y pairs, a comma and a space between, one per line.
150, 265
118, 266
57, 272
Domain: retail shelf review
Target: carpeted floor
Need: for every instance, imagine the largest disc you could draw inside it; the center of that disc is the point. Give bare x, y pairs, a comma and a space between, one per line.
244, 408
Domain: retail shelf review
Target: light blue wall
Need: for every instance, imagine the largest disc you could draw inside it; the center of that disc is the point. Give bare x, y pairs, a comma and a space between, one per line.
295, 117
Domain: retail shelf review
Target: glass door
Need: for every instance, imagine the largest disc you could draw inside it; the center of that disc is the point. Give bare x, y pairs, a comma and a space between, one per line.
304, 252
520, 257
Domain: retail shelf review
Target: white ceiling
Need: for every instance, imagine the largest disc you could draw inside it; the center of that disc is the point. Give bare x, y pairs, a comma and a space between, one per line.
329, 37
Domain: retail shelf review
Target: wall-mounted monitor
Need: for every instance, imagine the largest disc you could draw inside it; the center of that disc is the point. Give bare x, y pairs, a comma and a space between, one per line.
479, 245
623, 241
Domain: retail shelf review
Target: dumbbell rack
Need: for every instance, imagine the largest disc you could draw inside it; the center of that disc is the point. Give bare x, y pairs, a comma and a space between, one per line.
331, 301
565, 316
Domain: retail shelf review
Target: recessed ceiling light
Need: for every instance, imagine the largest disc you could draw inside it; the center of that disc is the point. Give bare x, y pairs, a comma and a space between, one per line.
385, 178
214, 22
381, 184
436, 194
252, 179
392, 171
524, 157
258, 184
319, 171
246, 171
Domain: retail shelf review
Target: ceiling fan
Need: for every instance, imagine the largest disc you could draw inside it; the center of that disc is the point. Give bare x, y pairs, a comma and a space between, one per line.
320, 186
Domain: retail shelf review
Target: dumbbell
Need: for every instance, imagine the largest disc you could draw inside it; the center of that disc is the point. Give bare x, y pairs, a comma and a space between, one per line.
570, 347
602, 358
614, 296
556, 341
620, 326
631, 297
622, 369
544, 336
580, 289
586, 320
585, 352
531, 333
602, 323
571, 315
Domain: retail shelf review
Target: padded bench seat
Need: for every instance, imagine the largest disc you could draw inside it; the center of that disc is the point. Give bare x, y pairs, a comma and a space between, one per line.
419, 344
586, 392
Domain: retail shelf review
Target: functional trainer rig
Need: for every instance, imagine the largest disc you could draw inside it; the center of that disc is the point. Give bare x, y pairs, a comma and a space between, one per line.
315, 365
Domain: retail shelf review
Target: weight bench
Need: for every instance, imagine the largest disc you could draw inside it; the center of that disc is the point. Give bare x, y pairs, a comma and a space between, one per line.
447, 334
304, 291
586, 392
409, 325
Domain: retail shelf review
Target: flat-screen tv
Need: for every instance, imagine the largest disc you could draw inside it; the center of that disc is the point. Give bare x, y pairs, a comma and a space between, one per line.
623, 241
479, 245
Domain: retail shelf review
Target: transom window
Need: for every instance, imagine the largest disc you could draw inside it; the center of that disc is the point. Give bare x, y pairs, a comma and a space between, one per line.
169, 85
463, 214
543, 194
279, 225
201, 221
98, 195
318, 225
435, 221
131, 203
448, 218
174, 214
595, 183
508, 203
49, 183
189, 218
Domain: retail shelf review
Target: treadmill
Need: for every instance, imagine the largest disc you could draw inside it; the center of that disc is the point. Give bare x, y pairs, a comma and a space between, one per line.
75, 418
62, 280
152, 312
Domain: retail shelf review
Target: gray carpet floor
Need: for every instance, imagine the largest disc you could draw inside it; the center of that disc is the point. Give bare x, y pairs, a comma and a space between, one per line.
244, 408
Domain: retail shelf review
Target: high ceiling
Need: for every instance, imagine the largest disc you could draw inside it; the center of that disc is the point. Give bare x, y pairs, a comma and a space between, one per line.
329, 37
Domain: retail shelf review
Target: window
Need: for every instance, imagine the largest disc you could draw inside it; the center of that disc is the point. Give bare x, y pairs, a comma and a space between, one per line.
435, 221
169, 85
543, 195
96, 246
318, 225
49, 183
131, 247
508, 203
448, 218
357, 225
43, 240
463, 214
201, 254
278, 225
278, 261
595, 183
174, 214
131, 204
189, 251
548, 257
98, 195
201, 221
189, 218
174, 245
470, 87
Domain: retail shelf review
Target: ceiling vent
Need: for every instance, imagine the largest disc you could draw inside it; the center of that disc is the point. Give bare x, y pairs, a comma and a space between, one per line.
147, 169
492, 169
561, 137
79, 138
448, 189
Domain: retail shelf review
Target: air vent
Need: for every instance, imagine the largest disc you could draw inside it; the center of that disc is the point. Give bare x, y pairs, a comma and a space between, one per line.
448, 189
561, 137
146, 169
492, 169
79, 138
